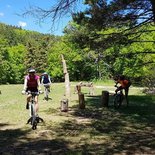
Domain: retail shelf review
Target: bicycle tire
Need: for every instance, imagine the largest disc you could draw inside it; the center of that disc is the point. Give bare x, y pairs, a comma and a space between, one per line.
118, 101
32, 110
33, 120
46, 93
34, 124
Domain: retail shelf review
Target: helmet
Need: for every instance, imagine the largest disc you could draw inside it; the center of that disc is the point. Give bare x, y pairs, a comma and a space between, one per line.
31, 70
45, 73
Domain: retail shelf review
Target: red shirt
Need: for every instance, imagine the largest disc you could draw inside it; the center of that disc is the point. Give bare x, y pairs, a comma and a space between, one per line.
123, 83
32, 81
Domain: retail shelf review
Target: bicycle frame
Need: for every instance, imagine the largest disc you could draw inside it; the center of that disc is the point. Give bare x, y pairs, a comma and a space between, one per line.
34, 119
118, 99
46, 92
33, 116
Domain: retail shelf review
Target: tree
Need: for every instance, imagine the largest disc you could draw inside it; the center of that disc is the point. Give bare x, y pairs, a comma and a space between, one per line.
16, 58
131, 9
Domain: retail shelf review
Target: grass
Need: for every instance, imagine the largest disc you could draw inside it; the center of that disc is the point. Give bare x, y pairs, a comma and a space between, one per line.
95, 130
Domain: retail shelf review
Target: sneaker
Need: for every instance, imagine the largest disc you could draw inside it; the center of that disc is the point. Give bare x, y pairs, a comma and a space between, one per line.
27, 106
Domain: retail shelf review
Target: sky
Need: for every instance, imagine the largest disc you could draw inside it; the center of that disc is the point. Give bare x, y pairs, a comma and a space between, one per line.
10, 8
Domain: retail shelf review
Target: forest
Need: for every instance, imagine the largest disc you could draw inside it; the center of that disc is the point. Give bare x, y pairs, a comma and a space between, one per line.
100, 42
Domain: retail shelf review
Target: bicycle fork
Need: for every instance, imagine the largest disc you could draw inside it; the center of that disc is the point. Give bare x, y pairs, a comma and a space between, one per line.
33, 114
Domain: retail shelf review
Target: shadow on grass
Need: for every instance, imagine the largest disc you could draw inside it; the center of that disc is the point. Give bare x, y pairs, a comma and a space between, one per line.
94, 130
9, 136
129, 130
3, 124
16, 142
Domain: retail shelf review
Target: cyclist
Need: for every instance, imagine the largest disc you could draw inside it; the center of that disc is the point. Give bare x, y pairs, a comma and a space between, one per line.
124, 84
46, 80
32, 83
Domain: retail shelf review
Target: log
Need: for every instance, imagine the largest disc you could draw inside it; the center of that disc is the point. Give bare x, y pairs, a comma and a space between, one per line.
81, 101
105, 98
66, 75
64, 105
78, 88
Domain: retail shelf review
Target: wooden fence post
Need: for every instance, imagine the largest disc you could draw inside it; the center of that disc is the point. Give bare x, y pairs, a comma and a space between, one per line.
64, 105
81, 101
105, 98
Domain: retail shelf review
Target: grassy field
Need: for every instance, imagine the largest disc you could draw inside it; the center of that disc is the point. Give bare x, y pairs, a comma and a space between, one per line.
96, 130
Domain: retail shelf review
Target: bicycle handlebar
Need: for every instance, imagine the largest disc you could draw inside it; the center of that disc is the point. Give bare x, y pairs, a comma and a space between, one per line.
33, 93
116, 86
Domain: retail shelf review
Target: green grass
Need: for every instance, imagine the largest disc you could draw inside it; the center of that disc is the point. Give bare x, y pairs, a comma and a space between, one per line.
94, 130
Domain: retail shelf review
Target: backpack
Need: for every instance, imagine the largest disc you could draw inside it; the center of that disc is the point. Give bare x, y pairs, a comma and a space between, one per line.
45, 79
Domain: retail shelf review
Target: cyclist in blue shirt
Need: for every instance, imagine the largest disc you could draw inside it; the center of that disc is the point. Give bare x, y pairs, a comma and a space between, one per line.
46, 80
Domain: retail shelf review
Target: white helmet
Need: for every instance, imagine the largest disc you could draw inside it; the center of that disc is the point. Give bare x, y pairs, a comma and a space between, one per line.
45, 73
31, 70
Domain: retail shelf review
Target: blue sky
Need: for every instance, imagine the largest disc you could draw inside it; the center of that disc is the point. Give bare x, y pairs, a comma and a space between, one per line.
10, 8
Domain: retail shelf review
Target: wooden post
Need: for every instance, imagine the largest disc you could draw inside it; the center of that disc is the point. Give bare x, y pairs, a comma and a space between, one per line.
91, 89
64, 105
78, 87
66, 75
81, 101
105, 98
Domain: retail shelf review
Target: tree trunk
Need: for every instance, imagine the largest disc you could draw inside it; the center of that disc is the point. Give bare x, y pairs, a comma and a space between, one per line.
66, 76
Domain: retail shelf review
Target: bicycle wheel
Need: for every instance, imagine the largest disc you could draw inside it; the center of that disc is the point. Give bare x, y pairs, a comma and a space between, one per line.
117, 101
34, 123
33, 117
32, 112
46, 93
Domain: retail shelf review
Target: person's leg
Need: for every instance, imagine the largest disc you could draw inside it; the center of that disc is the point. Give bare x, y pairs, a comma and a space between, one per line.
28, 100
126, 95
49, 87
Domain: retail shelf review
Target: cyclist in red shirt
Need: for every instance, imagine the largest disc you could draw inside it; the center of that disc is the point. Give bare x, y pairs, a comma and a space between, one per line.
124, 84
32, 83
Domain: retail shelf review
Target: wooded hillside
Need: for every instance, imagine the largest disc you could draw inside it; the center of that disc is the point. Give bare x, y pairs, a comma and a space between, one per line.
90, 54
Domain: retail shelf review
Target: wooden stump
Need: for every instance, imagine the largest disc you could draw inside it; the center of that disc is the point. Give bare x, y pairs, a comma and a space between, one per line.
64, 105
105, 98
81, 101
78, 89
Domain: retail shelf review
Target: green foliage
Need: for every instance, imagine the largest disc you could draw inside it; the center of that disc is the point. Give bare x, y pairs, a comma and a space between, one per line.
100, 42
19, 50
54, 59
104, 33
16, 59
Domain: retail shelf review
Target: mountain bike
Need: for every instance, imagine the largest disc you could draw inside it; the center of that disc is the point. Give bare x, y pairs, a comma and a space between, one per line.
34, 119
46, 91
118, 98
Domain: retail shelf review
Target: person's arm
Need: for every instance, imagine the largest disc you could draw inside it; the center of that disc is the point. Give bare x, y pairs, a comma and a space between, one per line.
116, 82
39, 85
42, 78
25, 84
49, 79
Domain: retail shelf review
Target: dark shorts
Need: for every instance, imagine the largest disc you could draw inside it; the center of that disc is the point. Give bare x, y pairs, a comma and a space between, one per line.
32, 89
